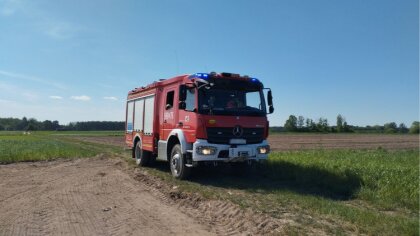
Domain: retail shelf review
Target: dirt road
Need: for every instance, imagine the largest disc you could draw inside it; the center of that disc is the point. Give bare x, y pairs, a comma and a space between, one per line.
104, 196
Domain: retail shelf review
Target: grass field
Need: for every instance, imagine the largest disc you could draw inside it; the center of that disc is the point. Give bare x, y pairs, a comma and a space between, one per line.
45, 145
337, 191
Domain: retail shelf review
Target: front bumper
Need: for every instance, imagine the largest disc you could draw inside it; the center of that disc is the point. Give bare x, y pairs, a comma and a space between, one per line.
229, 152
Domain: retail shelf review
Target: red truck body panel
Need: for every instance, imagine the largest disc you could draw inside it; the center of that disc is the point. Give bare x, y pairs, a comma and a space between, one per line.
165, 120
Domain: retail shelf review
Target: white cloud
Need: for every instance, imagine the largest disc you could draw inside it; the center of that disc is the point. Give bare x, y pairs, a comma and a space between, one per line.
111, 98
60, 30
40, 18
30, 96
56, 97
14, 75
9, 7
81, 98
5, 101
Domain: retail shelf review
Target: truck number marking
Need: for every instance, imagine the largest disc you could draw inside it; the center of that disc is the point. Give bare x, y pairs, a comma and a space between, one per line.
168, 115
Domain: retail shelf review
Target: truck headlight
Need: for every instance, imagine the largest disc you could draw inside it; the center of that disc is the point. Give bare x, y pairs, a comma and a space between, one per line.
263, 149
206, 150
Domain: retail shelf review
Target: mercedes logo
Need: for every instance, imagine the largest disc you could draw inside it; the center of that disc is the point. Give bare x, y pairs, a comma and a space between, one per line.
238, 131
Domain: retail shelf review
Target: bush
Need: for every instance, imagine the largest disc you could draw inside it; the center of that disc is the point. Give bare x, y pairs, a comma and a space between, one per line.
414, 129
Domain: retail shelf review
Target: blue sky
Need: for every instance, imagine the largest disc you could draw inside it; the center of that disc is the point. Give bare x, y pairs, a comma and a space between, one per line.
76, 60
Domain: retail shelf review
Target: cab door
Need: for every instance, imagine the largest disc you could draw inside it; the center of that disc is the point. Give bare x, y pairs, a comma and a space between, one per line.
187, 116
170, 111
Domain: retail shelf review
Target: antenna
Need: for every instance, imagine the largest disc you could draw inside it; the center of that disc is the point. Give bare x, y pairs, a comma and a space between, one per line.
177, 62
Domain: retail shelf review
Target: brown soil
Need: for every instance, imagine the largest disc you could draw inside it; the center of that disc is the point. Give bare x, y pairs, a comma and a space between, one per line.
104, 196
283, 142
110, 140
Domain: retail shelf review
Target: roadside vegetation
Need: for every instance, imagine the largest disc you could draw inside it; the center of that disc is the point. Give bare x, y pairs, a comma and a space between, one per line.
31, 124
308, 125
335, 191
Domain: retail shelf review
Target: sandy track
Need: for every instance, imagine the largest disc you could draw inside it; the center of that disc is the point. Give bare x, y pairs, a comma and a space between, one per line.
84, 197
105, 196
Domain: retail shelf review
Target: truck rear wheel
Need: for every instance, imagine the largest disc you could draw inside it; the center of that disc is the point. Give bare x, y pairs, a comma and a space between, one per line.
142, 156
177, 162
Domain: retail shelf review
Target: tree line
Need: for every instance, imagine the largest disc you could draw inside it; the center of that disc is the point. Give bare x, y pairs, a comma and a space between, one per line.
302, 124
25, 124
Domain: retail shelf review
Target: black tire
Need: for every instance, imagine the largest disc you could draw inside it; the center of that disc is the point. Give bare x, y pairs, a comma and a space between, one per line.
177, 164
142, 156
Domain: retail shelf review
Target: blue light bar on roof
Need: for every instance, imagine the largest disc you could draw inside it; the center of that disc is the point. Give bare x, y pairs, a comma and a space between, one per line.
200, 75
255, 80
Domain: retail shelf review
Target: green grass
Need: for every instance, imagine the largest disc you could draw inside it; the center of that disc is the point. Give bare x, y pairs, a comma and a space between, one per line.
66, 133
82, 133
387, 179
17, 148
358, 191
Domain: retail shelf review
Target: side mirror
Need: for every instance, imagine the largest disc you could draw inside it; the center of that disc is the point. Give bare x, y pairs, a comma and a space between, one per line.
182, 105
168, 106
270, 98
182, 93
270, 102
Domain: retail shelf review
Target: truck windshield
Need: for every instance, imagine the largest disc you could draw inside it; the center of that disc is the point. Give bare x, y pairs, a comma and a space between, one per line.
228, 101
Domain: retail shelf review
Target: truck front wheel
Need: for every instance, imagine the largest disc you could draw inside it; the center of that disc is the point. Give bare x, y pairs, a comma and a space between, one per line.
177, 163
142, 156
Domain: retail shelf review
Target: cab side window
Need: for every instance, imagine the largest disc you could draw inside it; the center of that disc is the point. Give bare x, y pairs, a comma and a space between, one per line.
190, 101
169, 100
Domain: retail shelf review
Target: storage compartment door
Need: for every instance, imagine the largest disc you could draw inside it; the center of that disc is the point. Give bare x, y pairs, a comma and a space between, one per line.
138, 116
149, 113
130, 106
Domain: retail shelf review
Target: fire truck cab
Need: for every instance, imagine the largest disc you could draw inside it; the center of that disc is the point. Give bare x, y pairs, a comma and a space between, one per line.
203, 117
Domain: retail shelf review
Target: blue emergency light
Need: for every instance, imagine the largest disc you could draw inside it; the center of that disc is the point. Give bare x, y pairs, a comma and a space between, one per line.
204, 76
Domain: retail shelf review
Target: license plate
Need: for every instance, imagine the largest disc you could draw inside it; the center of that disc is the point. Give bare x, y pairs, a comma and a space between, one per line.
240, 152
237, 141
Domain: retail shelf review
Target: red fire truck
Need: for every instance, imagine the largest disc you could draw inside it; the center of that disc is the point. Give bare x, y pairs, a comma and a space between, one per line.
203, 117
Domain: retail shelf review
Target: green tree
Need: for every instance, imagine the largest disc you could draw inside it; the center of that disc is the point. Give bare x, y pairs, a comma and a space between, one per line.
300, 122
23, 124
55, 125
33, 124
414, 129
340, 125
402, 128
390, 127
47, 125
322, 125
346, 127
310, 125
291, 124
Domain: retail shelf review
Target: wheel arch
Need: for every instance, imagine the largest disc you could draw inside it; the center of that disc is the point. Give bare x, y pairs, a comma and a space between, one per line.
135, 141
177, 137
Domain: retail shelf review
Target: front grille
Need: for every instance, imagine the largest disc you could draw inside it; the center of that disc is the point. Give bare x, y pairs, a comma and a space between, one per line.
223, 135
